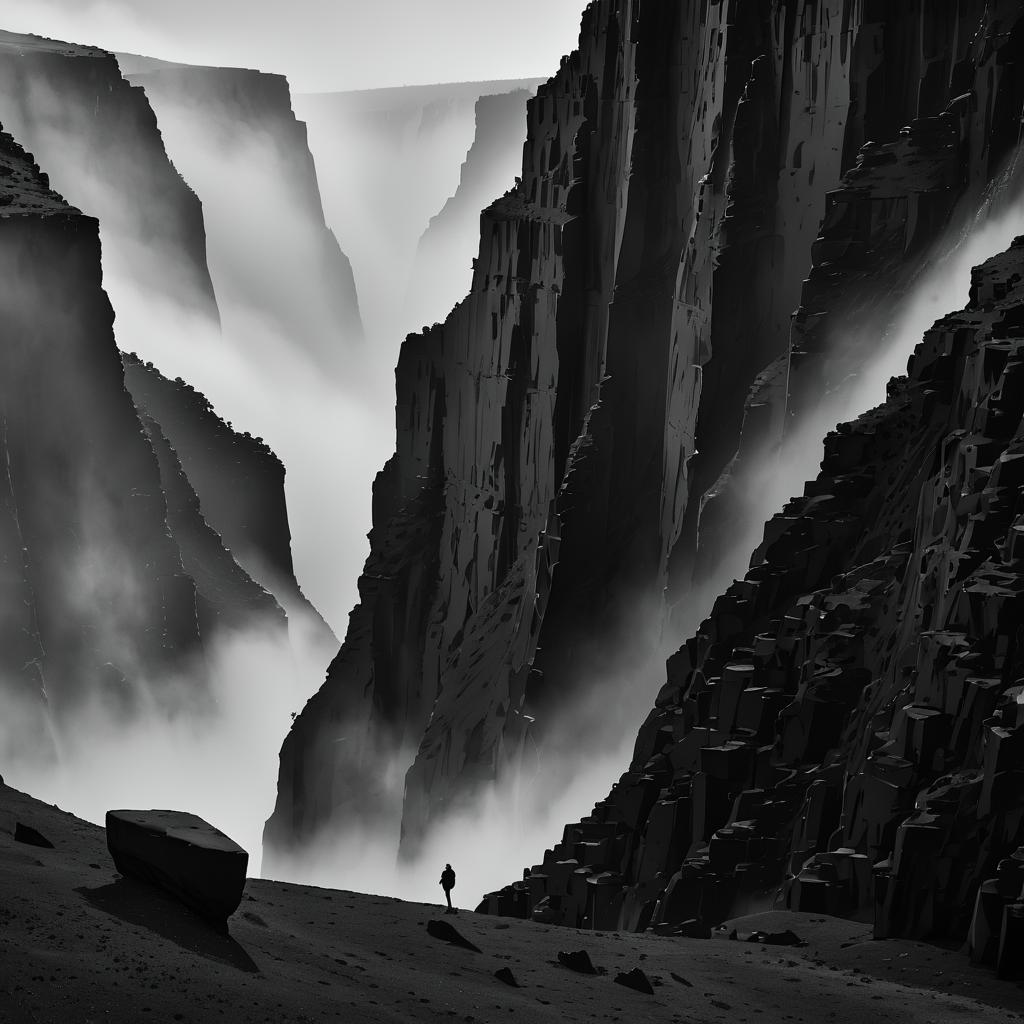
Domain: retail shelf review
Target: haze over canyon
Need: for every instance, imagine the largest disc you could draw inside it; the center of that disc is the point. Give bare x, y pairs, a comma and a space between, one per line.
611, 482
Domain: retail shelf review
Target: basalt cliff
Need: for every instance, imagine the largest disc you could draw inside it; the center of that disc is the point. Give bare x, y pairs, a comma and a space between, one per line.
722, 210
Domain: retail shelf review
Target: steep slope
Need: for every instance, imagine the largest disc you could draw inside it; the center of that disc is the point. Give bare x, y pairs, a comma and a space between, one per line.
389, 159
99, 139
631, 304
79, 941
843, 731
233, 134
95, 595
442, 271
237, 480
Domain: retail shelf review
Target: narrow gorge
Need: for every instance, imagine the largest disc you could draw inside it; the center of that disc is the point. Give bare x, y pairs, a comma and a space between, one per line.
722, 213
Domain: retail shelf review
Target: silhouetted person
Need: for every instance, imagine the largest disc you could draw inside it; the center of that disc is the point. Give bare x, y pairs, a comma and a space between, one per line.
448, 883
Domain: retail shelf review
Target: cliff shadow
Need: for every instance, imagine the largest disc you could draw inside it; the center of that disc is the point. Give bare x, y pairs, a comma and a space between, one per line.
144, 905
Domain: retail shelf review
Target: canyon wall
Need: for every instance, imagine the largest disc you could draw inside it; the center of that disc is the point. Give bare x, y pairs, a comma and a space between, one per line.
233, 134
235, 478
442, 270
96, 597
567, 438
98, 138
841, 735
389, 158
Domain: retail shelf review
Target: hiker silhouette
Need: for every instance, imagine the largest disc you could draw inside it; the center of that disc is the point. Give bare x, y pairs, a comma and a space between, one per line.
448, 883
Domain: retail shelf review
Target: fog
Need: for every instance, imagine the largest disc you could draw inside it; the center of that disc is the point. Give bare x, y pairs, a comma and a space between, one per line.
270, 369
443, 268
509, 826
217, 760
389, 160
942, 287
279, 366
287, 364
323, 44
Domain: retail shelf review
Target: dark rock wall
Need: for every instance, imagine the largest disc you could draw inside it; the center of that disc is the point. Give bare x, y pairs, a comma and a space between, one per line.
236, 478
99, 139
226, 596
96, 597
626, 335
840, 733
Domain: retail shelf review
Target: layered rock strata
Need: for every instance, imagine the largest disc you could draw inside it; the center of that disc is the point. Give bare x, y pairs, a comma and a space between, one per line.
840, 734
630, 308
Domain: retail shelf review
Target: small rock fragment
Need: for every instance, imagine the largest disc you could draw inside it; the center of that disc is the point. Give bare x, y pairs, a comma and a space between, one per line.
447, 933
693, 929
505, 974
636, 980
680, 979
785, 938
578, 961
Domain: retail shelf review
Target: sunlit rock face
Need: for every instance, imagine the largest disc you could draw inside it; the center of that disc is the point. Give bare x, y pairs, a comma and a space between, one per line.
98, 138
628, 334
234, 136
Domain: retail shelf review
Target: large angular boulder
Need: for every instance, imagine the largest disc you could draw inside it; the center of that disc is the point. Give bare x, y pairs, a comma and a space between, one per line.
182, 854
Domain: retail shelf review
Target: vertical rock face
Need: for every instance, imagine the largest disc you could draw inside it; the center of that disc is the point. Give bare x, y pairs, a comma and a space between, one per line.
626, 337
233, 134
99, 138
842, 732
95, 594
442, 271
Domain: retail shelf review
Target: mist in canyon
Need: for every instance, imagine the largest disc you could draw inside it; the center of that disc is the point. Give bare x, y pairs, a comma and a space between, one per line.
274, 363
277, 365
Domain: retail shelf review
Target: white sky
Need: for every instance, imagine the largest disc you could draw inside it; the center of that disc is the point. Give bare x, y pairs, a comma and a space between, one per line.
323, 45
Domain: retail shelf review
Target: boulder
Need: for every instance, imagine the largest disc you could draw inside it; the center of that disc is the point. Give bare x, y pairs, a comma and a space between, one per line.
183, 855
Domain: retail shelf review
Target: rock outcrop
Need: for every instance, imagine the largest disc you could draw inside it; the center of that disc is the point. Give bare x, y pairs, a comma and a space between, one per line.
567, 439
442, 271
841, 734
277, 267
182, 854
